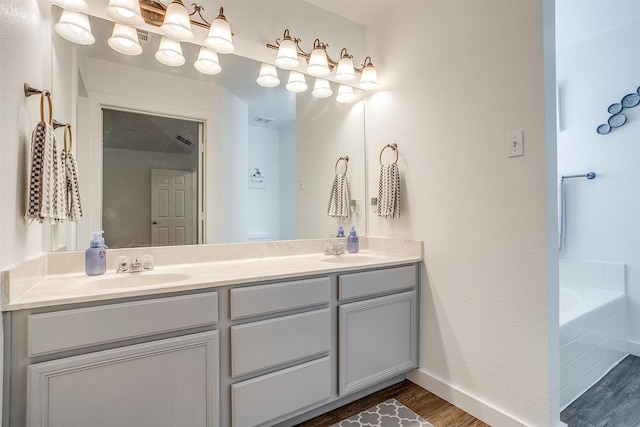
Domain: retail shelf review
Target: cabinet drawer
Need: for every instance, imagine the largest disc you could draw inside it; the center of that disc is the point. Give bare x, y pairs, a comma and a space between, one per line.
281, 393
69, 329
265, 299
268, 343
376, 282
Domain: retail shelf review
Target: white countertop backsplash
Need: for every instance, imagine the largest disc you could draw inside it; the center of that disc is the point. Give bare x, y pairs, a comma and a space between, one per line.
58, 278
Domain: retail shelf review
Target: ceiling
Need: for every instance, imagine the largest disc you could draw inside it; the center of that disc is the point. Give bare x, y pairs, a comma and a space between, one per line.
363, 12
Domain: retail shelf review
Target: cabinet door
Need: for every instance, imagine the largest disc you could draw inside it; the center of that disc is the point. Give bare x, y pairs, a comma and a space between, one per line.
171, 382
378, 340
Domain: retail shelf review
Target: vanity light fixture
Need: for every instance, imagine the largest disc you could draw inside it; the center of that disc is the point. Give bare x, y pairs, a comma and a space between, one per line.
207, 62
369, 79
170, 52
75, 27
345, 94
74, 5
268, 76
124, 39
345, 71
318, 65
176, 23
219, 38
321, 88
296, 82
287, 57
125, 12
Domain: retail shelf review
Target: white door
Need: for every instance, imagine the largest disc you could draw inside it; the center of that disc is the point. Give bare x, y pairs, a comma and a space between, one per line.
172, 207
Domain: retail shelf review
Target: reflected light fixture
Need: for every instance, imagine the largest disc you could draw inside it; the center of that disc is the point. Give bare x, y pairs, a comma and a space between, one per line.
176, 22
207, 62
170, 52
124, 39
219, 38
321, 88
125, 12
296, 82
268, 76
345, 94
287, 57
75, 27
318, 65
345, 71
369, 78
74, 5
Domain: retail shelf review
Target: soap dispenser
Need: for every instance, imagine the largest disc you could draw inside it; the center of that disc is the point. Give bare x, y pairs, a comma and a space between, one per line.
95, 258
340, 231
353, 244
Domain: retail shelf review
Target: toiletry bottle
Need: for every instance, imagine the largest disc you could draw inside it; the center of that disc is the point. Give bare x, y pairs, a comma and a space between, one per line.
352, 241
340, 231
95, 258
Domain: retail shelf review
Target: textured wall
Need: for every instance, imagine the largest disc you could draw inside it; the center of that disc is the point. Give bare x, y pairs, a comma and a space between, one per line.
457, 77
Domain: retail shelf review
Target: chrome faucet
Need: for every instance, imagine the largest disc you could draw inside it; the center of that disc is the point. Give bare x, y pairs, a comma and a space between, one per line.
136, 265
133, 265
335, 249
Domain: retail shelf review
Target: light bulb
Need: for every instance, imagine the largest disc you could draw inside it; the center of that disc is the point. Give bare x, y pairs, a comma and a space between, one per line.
219, 37
318, 65
170, 52
124, 39
75, 27
345, 94
125, 12
207, 62
268, 76
369, 79
176, 22
345, 71
296, 82
322, 89
287, 57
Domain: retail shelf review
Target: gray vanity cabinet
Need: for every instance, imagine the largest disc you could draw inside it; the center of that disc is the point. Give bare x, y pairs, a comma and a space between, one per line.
142, 363
378, 335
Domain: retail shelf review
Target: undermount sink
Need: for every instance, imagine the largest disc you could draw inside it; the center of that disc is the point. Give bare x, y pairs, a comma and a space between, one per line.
350, 259
126, 280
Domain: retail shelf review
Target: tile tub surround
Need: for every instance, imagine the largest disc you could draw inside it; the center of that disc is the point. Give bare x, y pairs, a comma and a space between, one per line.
58, 278
593, 338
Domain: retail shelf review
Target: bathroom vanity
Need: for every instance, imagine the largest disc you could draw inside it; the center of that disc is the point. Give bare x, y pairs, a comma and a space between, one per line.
227, 344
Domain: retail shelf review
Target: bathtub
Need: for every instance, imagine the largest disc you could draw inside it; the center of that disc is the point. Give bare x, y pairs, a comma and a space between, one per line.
593, 337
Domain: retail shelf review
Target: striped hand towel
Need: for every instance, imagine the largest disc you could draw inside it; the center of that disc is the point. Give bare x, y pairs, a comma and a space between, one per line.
339, 198
389, 191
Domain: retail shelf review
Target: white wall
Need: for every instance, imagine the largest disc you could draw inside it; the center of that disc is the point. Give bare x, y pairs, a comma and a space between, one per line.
264, 203
288, 181
602, 215
457, 77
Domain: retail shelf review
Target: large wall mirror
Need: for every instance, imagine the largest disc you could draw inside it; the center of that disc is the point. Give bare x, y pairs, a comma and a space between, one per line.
259, 162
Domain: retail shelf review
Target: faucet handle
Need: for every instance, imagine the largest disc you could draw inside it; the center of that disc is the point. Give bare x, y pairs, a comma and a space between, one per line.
147, 262
124, 263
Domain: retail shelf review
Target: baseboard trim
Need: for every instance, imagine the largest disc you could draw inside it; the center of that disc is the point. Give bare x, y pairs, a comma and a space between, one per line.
634, 348
465, 401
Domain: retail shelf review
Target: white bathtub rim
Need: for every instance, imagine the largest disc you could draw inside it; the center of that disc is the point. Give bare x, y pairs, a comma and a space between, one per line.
591, 299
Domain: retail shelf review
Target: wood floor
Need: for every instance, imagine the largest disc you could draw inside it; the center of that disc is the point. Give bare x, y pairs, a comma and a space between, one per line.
437, 411
613, 401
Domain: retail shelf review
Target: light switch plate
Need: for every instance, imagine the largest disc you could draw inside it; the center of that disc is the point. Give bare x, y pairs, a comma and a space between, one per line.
515, 143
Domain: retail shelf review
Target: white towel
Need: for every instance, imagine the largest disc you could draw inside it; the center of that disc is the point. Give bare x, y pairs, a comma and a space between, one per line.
339, 198
47, 185
389, 191
561, 214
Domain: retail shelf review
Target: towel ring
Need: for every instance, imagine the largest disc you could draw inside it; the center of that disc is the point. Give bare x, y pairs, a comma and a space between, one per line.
346, 164
394, 147
46, 94
68, 128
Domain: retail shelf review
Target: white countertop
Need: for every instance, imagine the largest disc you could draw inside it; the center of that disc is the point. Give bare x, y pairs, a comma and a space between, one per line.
76, 287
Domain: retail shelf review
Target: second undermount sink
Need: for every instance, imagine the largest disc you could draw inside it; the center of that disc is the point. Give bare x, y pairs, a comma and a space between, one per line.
131, 280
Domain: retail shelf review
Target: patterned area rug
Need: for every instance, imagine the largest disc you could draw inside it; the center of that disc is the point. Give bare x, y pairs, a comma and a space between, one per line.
390, 413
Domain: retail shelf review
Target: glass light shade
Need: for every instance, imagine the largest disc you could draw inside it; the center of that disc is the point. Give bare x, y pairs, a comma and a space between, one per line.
170, 52
296, 82
125, 12
207, 62
318, 65
369, 79
287, 57
345, 71
176, 22
124, 39
268, 76
75, 27
73, 5
219, 38
322, 89
345, 94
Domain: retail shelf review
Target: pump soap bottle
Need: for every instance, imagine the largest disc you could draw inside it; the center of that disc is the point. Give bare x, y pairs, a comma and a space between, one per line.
95, 258
353, 243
